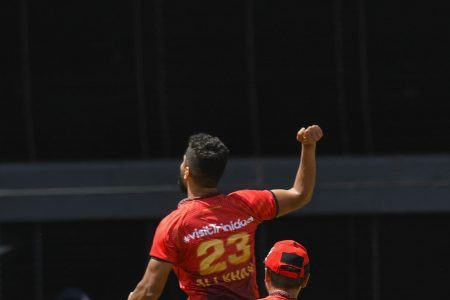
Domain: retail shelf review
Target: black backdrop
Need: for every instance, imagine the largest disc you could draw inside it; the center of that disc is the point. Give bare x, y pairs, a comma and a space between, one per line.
108, 80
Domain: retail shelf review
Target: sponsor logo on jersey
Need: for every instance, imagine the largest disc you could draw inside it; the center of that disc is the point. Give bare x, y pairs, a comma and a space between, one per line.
212, 229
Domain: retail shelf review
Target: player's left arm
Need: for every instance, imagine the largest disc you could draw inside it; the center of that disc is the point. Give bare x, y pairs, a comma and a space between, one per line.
153, 282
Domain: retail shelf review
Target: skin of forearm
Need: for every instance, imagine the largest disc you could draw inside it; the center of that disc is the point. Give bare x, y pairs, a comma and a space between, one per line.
142, 293
305, 179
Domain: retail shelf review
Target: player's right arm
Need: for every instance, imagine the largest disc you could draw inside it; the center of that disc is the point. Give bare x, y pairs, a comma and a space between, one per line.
301, 192
153, 282
163, 255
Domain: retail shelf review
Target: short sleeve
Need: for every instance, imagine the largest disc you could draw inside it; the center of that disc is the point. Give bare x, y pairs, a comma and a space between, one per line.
164, 246
262, 203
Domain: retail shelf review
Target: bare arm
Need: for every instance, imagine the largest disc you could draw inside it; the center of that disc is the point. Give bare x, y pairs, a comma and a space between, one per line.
301, 192
153, 282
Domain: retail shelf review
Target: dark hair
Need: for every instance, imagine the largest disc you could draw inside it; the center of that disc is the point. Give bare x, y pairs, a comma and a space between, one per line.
283, 282
206, 157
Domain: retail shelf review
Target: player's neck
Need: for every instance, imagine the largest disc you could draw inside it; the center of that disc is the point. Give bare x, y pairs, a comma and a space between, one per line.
293, 293
201, 192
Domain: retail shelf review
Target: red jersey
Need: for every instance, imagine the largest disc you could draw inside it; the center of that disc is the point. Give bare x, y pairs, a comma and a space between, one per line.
280, 295
210, 241
276, 297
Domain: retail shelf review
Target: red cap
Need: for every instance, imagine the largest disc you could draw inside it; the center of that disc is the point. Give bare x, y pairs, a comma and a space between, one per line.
288, 253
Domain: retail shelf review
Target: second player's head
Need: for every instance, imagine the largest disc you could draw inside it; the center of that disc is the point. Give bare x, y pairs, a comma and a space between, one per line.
287, 266
206, 157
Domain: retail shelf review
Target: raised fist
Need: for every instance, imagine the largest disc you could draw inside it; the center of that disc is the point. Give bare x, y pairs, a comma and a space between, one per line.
310, 135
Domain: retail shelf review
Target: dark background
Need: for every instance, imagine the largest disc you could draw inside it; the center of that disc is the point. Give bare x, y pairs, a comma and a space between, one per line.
115, 80
131, 80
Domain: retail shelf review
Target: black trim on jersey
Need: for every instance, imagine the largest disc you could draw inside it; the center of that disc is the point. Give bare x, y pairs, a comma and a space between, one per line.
160, 259
277, 206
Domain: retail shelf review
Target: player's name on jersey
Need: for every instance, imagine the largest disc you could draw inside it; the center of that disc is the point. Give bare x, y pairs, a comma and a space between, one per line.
212, 229
239, 274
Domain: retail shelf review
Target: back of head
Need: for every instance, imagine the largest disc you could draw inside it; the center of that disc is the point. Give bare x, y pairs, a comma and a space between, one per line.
206, 157
287, 265
282, 282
